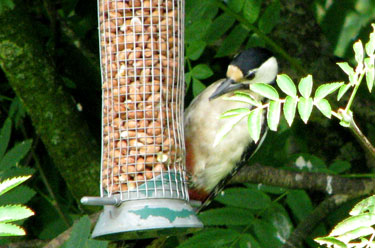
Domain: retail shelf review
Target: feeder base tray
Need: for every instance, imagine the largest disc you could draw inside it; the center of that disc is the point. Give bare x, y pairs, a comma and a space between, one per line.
141, 219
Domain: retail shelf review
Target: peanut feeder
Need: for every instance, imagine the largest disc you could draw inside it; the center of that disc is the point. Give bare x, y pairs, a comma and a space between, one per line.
143, 178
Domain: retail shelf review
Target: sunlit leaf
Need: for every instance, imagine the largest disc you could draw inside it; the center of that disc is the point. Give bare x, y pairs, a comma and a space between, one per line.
324, 107
305, 86
289, 109
286, 84
10, 213
343, 89
251, 10
370, 45
326, 89
7, 229
356, 233
370, 73
9, 184
229, 124
331, 241
265, 90
273, 115
243, 97
363, 206
346, 68
234, 112
358, 51
352, 223
305, 107
254, 124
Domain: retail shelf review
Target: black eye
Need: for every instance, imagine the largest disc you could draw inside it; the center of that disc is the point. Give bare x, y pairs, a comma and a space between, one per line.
250, 75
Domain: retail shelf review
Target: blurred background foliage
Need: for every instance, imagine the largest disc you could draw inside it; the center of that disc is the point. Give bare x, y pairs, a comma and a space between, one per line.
246, 215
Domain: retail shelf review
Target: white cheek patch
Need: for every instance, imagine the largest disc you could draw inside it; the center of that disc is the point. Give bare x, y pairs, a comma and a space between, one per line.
267, 72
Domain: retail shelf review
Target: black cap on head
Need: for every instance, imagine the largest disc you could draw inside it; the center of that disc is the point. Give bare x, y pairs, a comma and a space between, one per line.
251, 58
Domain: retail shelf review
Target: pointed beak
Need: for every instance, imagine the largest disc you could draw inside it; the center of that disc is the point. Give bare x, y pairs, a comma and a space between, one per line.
226, 86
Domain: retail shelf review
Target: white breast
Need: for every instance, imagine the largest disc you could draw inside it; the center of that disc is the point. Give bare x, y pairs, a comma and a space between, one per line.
201, 127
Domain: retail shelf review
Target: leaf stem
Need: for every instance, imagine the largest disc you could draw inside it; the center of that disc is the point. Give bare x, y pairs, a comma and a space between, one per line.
362, 139
278, 49
354, 92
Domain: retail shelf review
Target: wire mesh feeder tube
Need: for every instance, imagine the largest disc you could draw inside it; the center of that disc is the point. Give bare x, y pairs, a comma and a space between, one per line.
143, 177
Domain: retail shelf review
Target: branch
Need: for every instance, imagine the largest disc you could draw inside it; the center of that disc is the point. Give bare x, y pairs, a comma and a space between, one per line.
330, 184
311, 221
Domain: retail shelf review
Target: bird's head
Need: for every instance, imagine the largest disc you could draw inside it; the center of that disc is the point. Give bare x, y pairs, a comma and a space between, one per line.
255, 65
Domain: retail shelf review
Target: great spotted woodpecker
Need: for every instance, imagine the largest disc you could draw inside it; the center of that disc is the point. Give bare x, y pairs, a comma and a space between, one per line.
211, 167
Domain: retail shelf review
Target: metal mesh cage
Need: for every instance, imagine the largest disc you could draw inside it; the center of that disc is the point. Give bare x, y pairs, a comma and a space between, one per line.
143, 177
142, 74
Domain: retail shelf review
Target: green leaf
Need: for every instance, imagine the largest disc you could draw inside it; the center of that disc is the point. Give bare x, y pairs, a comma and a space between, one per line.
5, 136
251, 10
358, 51
279, 218
330, 241
266, 234
210, 238
265, 90
234, 112
247, 240
326, 89
370, 73
197, 30
305, 86
270, 17
201, 71
233, 41
346, 68
339, 166
243, 97
244, 198
343, 89
370, 45
19, 195
9, 184
96, 244
255, 41
363, 206
273, 115
14, 155
198, 87
324, 107
7, 229
305, 107
6, 4
289, 109
286, 84
300, 203
356, 233
195, 49
218, 27
80, 233
10, 213
235, 5
254, 124
229, 124
226, 216
352, 223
